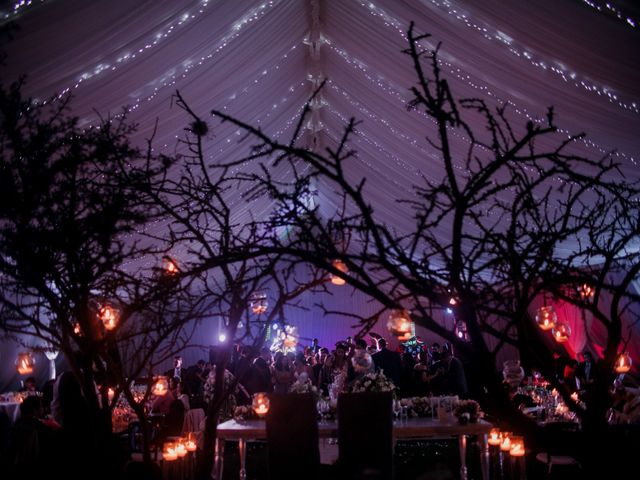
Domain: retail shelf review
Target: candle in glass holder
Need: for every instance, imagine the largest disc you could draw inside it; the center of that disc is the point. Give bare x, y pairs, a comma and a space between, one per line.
169, 452
161, 386
191, 443
181, 448
494, 437
517, 447
110, 394
574, 396
260, 403
505, 442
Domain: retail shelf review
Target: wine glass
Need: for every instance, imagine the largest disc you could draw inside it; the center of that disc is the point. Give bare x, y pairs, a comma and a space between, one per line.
397, 408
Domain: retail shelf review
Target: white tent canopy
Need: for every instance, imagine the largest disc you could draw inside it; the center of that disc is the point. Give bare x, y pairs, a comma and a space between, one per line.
259, 60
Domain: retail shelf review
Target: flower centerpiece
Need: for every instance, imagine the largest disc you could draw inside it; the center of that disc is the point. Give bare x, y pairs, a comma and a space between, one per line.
304, 385
468, 411
417, 406
373, 382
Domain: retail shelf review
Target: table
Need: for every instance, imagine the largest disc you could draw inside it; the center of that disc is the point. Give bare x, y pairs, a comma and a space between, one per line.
412, 428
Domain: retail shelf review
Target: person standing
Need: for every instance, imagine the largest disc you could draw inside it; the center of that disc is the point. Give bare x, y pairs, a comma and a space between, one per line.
389, 362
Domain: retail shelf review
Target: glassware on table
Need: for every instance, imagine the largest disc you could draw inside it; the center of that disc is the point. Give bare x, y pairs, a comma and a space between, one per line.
397, 408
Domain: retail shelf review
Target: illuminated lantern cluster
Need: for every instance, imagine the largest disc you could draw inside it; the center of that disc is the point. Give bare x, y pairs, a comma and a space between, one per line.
400, 324
25, 363
342, 267
260, 403
586, 291
561, 332
460, 330
109, 317
169, 266
258, 303
546, 317
623, 363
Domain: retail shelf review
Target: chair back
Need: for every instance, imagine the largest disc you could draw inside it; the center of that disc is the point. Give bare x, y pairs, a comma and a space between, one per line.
365, 435
561, 439
292, 437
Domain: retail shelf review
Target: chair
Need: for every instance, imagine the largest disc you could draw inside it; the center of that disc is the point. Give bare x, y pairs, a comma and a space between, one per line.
561, 440
365, 435
192, 420
134, 432
292, 437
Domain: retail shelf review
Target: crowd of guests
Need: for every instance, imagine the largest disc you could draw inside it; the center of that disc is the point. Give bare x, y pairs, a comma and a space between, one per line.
426, 371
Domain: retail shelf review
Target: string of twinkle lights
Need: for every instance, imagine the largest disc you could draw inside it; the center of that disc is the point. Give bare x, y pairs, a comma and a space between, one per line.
568, 75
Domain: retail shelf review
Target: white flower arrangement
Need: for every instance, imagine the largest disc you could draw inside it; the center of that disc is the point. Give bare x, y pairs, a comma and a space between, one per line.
303, 386
373, 382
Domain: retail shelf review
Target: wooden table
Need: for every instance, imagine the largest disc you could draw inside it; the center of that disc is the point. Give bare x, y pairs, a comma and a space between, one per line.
413, 428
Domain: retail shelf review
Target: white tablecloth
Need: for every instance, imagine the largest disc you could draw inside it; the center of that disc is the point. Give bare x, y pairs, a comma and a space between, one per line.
12, 409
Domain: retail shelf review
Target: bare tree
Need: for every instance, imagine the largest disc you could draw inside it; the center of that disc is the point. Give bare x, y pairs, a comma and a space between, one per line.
72, 273
511, 199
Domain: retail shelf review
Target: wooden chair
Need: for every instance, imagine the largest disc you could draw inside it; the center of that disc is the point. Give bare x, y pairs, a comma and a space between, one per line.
365, 435
292, 437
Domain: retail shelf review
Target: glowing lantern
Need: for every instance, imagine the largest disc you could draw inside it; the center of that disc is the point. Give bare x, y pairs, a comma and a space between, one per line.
169, 266
623, 363
517, 447
25, 363
258, 302
561, 332
110, 394
546, 317
341, 267
260, 404
109, 317
586, 291
169, 451
460, 330
191, 444
399, 323
453, 302
161, 386
495, 437
505, 442
181, 447
77, 330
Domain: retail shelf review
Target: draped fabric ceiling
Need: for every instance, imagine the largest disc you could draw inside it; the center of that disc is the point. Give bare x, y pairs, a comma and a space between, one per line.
253, 59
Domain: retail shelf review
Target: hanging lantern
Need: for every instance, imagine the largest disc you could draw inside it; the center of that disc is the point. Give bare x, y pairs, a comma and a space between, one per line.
399, 323
258, 302
623, 363
77, 329
260, 403
109, 317
169, 265
546, 317
342, 267
161, 386
561, 332
586, 291
25, 363
460, 330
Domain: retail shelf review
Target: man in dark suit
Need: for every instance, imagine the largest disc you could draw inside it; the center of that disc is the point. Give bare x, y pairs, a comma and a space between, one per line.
389, 362
177, 370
